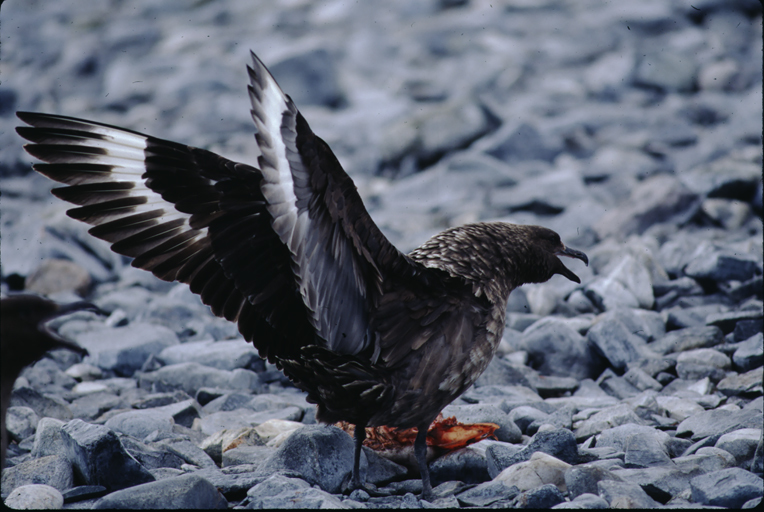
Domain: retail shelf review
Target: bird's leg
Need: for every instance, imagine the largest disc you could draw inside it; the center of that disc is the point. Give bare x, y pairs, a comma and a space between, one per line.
359, 436
420, 450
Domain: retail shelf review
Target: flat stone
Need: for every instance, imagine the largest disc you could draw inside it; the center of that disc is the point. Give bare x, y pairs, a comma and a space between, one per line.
582, 479
625, 495
99, 458
729, 488
223, 355
741, 443
323, 455
749, 383
750, 353
35, 497
540, 469
183, 492
279, 491
52, 470
141, 423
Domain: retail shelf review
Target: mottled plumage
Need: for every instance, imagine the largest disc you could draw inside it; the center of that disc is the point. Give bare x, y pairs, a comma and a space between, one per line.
25, 338
287, 250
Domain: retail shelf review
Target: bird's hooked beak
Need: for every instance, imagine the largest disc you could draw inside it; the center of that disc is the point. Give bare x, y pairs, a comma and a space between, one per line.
65, 309
571, 253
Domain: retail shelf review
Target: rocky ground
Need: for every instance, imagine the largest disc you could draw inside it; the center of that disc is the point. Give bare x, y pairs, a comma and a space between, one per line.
634, 129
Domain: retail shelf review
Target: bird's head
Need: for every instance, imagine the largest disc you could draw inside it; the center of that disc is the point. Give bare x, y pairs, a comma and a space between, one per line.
544, 248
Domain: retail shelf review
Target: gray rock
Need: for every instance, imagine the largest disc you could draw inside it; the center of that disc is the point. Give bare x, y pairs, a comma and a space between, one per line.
43, 406
718, 422
558, 443
657, 199
745, 329
750, 353
466, 465
91, 407
555, 348
524, 415
749, 383
485, 494
232, 485
582, 479
546, 496
644, 450
52, 470
617, 343
123, 350
729, 488
625, 495
742, 444
668, 71
280, 491
187, 451
99, 458
139, 424
48, 439
321, 455
722, 266
150, 457
526, 143
584, 501
478, 413
607, 418
190, 377
727, 321
380, 470
618, 387
20, 422
640, 379
182, 413
500, 456
689, 364
628, 284
501, 372
223, 355
35, 497
687, 339
311, 78
183, 492
245, 455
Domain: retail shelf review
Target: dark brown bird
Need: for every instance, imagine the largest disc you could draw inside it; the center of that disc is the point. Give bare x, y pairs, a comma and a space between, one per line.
288, 251
25, 338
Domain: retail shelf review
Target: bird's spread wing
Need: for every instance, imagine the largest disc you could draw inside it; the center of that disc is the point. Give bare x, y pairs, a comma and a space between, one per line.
287, 249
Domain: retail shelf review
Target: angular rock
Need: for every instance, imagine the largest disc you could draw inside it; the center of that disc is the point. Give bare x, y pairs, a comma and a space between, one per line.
182, 492
20, 422
99, 458
729, 488
323, 455
545, 496
555, 348
584, 501
657, 199
688, 339
190, 377
540, 469
582, 479
44, 406
487, 493
718, 422
741, 444
722, 266
53, 470
35, 497
746, 384
223, 355
750, 353
617, 343
625, 495
607, 418
279, 491
141, 423
123, 350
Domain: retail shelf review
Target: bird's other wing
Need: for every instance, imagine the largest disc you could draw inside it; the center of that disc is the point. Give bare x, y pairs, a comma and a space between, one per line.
339, 256
179, 211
